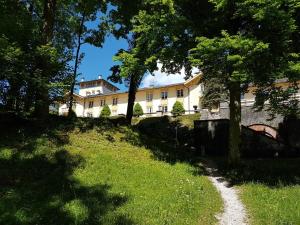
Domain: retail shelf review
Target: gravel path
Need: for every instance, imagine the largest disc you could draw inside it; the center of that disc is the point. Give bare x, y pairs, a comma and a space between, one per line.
234, 211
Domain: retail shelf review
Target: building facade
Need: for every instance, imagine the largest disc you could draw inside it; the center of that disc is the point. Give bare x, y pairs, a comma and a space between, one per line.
155, 101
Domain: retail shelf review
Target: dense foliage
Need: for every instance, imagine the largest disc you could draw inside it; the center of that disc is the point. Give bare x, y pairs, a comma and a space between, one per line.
236, 42
39, 41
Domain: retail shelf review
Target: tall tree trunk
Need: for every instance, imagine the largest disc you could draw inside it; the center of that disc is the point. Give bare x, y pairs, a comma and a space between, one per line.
71, 99
42, 96
234, 124
133, 85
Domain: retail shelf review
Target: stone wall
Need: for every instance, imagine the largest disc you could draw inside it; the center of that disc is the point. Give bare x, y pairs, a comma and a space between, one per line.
211, 137
249, 116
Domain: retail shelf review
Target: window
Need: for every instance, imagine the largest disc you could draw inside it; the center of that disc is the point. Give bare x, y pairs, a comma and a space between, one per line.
149, 97
179, 93
164, 95
102, 102
91, 104
149, 109
115, 101
89, 114
165, 108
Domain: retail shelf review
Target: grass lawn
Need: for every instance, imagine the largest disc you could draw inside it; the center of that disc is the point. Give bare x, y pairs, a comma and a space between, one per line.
96, 174
270, 190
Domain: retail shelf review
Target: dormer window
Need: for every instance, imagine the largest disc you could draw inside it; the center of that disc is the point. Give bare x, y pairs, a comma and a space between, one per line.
88, 93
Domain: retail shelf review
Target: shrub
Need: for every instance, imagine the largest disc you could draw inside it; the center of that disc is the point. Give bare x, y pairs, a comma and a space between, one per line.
177, 109
105, 111
72, 115
137, 110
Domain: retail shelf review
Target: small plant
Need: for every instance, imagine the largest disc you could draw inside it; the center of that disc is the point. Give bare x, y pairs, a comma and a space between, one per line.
178, 109
72, 115
138, 110
105, 111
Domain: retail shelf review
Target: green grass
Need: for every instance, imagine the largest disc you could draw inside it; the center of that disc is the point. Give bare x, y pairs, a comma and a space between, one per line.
266, 205
270, 190
96, 173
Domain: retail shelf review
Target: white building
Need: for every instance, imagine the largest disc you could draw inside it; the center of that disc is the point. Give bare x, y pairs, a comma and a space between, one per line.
155, 101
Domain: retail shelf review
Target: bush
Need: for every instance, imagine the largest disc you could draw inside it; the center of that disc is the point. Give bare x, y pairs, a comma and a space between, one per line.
178, 109
72, 115
137, 110
105, 111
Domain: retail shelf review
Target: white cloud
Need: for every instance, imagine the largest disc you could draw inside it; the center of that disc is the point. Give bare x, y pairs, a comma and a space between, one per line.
160, 78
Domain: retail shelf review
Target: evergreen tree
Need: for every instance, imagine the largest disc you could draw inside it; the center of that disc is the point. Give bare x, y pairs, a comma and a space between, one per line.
178, 109
138, 110
105, 111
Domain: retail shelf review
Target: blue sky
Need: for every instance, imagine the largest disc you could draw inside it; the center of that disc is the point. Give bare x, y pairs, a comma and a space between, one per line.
98, 61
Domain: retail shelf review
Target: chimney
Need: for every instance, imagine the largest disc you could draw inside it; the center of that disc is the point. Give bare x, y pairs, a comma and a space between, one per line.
99, 77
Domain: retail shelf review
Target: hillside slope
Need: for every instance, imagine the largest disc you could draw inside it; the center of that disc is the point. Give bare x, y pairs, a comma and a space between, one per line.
96, 172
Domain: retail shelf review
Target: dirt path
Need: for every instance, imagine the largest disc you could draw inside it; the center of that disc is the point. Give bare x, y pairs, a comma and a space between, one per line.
234, 211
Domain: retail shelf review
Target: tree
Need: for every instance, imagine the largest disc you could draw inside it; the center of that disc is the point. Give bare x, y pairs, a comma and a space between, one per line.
214, 92
86, 12
138, 110
132, 68
38, 71
262, 44
178, 109
228, 58
131, 63
105, 112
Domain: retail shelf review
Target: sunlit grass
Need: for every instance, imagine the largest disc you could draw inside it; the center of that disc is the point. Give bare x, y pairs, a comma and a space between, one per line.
269, 205
158, 193
95, 175
269, 188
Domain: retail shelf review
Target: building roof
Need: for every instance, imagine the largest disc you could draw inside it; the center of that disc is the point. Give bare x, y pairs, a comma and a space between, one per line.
188, 82
105, 81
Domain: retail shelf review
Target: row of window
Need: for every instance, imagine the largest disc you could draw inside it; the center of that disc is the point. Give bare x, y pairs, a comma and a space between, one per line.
164, 95
115, 100
149, 98
103, 102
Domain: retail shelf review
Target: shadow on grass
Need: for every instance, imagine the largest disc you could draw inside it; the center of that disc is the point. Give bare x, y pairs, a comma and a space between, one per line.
269, 172
37, 184
158, 135
167, 139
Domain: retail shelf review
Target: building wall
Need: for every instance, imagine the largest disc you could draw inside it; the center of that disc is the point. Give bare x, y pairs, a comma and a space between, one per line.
191, 96
77, 107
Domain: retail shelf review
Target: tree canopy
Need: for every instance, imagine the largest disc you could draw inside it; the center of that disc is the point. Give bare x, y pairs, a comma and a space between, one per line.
238, 42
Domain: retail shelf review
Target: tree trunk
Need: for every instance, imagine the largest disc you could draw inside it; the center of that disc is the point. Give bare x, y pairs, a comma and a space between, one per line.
234, 124
71, 99
131, 96
42, 96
